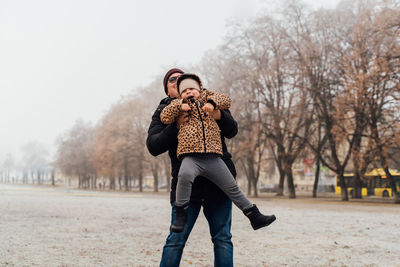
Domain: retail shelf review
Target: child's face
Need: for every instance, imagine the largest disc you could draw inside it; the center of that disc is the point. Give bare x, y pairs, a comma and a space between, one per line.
190, 93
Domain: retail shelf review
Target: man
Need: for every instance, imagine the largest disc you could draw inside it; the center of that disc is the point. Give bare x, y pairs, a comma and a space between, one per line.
217, 207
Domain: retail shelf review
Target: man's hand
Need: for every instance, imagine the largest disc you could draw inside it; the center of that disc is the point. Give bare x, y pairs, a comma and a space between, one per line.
209, 108
182, 118
216, 114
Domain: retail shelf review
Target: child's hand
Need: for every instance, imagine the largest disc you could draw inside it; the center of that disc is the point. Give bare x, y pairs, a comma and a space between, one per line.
209, 108
185, 107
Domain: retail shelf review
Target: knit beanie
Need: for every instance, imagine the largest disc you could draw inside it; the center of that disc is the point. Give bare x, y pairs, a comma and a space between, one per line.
189, 80
167, 75
188, 83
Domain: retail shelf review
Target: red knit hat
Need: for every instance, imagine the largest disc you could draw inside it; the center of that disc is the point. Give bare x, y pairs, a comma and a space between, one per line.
166, 77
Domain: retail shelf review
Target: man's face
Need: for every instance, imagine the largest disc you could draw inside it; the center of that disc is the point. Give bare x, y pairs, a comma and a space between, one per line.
190, 93
171, 85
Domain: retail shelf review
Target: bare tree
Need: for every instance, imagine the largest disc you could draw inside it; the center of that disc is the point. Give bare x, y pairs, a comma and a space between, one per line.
34, 159
285, 104
8, 166
375, 70
114, 153
75, 152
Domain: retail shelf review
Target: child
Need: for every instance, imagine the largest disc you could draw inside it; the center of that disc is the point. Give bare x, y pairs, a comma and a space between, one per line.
200, 148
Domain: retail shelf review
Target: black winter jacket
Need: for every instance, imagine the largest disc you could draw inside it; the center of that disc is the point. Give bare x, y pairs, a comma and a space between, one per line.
162, 138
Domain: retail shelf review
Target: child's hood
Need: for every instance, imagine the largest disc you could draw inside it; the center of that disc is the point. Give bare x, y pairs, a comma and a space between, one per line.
189, 76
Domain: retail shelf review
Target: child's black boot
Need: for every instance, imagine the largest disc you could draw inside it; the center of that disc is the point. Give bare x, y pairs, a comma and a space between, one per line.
181, 218
257, 219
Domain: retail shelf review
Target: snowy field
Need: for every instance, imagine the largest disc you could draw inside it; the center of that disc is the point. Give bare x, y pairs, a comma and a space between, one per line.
43, 226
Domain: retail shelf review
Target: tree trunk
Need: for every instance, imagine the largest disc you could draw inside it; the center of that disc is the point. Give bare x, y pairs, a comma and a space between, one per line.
251, 176
343, 186
316, 178
339, 167
79, 181
112, 183
357, 186
248, 186
126, 175
393, 185
281, 182
25, 177
255, 188
119, 182
53, 183
94, 182
167, 171
292, 190
140, 176
383, 159
168, 181
357, 158
140, 182
280, 163
244, 162
132, 181
155, 170
155, 181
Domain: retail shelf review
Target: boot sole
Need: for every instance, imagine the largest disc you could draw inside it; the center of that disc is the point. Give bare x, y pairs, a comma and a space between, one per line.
270, 220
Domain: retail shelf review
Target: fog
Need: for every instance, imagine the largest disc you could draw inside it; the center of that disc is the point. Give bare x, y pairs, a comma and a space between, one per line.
65, 60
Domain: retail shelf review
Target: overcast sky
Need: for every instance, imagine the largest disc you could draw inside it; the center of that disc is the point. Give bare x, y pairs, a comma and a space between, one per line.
64, 60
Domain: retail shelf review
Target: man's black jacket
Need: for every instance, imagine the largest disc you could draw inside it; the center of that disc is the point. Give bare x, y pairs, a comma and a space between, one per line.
162, 138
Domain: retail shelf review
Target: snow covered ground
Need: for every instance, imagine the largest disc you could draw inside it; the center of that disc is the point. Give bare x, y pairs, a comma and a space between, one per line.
44, 226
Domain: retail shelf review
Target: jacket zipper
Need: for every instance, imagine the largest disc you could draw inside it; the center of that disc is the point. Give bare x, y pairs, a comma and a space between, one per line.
202, 125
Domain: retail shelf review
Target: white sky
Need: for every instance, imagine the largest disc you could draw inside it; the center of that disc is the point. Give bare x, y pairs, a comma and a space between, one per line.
70, 59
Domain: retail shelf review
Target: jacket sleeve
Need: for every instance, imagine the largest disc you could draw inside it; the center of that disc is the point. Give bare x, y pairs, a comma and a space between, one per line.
170, 112
159, 135
227, 124
220, 101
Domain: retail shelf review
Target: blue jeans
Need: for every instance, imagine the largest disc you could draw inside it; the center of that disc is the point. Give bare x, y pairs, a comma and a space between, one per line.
219, 217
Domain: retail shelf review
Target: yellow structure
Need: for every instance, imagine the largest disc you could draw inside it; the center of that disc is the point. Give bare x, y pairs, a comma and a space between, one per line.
374, 183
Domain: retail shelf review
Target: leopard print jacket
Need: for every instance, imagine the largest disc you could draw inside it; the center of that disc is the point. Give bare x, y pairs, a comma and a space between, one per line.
200, 134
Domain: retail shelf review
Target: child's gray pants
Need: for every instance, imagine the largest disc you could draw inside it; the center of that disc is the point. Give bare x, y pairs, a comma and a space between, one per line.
213, 168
